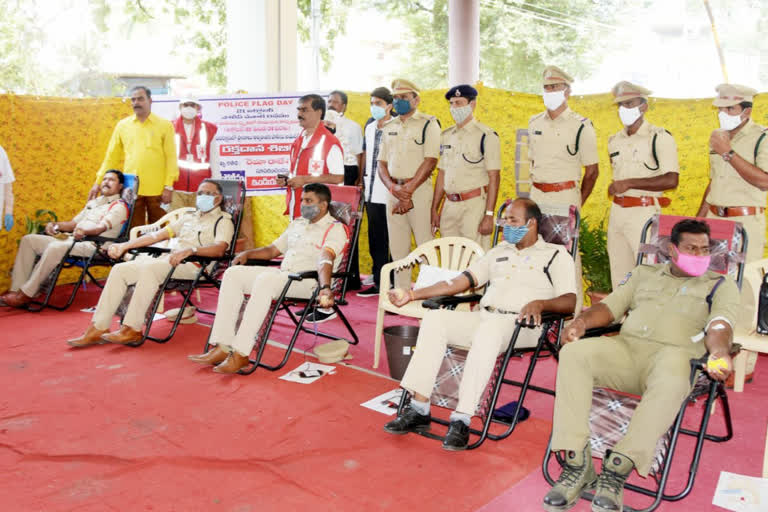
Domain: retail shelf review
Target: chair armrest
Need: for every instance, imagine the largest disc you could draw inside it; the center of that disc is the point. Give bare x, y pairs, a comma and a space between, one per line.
443, 301
546, 317
602, 331
263, 263
100, 240
150, 250
298, 276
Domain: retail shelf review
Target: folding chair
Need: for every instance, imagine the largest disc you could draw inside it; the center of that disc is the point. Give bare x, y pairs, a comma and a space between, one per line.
233, 192
612, 410
98, 258
346, 207
560, 225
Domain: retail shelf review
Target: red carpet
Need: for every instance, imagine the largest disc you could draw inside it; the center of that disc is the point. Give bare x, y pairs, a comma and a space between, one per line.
114, 428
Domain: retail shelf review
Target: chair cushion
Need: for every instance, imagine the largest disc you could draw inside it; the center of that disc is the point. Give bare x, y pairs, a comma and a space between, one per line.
342, 212
446, 390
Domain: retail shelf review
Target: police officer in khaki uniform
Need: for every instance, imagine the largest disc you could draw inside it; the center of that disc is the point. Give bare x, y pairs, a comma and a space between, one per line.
738, 160
560, 143
105, 216
644, 162
205, 232
314, 241
669, 323
408, 154
525, 277
469, 172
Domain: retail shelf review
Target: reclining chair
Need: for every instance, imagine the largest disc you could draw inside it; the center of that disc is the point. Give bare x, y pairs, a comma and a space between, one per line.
560, 225
99, 258
346, 207
612, 410
209, 274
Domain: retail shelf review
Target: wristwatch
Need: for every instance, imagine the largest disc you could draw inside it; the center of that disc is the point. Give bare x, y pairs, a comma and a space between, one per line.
728, 156
194, 250
325, 286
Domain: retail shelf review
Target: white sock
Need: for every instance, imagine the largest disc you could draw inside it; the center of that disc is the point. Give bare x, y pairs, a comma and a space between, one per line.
420, 407
460, 416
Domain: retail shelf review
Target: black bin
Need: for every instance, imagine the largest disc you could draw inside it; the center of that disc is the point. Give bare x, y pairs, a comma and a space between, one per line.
400, 341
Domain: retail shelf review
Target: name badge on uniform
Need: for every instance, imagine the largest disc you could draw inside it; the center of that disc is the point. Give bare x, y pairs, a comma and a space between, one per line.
613, 155
503, 258
391, 133
443, 147
537, 132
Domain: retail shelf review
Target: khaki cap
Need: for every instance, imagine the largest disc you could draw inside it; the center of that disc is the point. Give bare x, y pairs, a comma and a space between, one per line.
624, 91
732, 94
555, 75
332, 352
401, 85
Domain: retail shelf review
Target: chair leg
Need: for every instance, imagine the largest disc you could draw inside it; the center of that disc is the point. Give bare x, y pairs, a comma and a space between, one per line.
739, 371
377, 336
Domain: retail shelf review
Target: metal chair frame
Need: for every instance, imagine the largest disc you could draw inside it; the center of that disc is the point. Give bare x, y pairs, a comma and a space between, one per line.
713, 390
97, 258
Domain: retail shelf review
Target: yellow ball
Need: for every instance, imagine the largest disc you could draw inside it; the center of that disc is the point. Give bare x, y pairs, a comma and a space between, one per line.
716, 365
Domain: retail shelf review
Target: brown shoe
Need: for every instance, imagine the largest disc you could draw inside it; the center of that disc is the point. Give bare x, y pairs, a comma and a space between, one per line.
92, 336
232, 364
16, 299
125, 336
214, 356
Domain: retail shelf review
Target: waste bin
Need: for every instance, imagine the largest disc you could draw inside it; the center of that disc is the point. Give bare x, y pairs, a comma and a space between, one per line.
399, 340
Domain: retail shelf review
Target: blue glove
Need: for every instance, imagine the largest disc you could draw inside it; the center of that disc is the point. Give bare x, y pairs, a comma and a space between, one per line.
8, 221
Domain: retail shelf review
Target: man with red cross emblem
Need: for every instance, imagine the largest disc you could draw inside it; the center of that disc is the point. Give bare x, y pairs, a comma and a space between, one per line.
316, 155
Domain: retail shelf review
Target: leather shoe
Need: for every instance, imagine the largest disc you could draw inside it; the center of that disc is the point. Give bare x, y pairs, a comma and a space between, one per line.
125, 336
233, 363
16, 299
92, 336
214, 356
408, 421
457, 437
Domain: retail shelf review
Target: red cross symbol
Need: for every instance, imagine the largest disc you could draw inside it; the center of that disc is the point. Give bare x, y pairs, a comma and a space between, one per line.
316, 165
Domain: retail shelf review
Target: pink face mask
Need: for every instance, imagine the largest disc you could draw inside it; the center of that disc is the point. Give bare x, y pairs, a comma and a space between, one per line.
692, 265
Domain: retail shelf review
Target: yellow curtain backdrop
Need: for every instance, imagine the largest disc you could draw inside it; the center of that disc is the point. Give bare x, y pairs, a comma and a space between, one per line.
55, 146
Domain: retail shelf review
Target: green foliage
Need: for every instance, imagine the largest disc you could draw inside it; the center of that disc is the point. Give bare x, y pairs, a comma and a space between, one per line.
20, 43
333, 20
593, 246
37, 224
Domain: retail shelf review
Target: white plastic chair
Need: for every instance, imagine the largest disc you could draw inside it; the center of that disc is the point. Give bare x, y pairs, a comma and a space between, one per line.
449, 253
746, 333
162, 222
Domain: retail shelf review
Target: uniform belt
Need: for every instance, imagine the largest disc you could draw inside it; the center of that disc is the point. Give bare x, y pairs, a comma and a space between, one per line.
630, 201
492, 309
463, 196
555, 187
400, 181
735, 211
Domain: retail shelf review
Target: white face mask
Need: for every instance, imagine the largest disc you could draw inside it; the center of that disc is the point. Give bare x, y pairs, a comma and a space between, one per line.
332, 116
629, 115
460, 114
188, 112
729, 122
553, 99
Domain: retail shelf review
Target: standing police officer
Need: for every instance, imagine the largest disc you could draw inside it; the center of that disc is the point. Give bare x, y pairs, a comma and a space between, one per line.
560, 143
469, 172
408, 154
738, 158
644, 163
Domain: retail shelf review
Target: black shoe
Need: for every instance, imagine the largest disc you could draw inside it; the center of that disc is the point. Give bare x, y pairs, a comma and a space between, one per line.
319, 317
373, 291
409, 421
457, 437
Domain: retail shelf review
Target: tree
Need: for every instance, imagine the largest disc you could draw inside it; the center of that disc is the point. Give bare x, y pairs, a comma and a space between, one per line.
20, 43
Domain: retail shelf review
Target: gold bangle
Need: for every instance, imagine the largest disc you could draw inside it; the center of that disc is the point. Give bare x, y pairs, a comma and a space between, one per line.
410, 292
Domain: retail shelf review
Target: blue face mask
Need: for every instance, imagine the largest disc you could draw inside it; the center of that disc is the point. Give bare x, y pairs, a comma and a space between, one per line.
514, 234
378, 112
204, 203
402, 106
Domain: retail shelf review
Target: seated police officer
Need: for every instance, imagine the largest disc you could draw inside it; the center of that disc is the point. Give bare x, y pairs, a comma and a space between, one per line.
669, 322
525, 277
104, 215
206, 231
314, 241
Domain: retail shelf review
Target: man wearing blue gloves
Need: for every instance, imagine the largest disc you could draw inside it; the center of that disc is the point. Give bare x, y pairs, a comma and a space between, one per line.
6, 190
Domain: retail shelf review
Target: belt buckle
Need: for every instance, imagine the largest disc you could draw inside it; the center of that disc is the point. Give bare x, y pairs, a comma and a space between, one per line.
454, 197
722, 211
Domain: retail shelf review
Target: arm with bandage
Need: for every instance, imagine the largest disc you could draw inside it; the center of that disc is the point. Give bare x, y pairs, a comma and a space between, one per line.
116, 251
719, 329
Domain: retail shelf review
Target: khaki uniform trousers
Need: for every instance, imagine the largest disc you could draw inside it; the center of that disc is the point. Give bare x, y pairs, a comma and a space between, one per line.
147, 274
189, 199
754, 225
571, 196
462, 218
483, 333
624, 230
27, 276
264, 284
658, 372
416, 220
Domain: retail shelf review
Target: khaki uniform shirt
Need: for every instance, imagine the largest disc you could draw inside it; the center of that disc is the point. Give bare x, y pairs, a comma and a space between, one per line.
466, 156
301, 243
632, 156
109, 210
198, 229
730, 189
516, 277
671, 310
404, 146
549, 142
